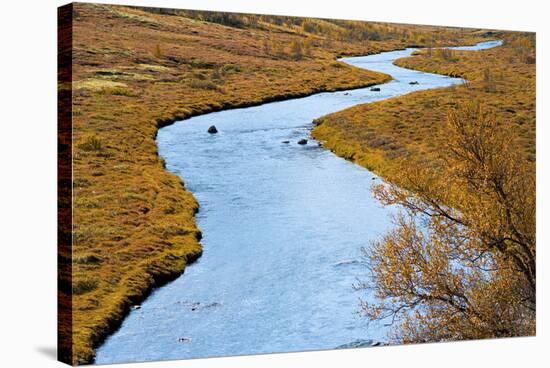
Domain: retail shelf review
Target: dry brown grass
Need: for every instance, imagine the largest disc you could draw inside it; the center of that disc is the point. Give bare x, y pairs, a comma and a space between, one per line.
135, 71
410, 129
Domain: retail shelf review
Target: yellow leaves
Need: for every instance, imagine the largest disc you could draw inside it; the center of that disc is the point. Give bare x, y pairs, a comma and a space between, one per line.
468, 271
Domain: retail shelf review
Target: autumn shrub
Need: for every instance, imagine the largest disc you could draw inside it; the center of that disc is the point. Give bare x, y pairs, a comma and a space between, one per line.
460, 263
204, 84
267, 47
524, 47
119, 91
489, 82
91, 143
87, 259
200, 64
83, 286
297, 50
226, 19
157, 52
445, 54
230, 69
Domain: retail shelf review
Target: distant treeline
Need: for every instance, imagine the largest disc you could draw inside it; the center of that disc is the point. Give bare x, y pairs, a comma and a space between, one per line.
335, 29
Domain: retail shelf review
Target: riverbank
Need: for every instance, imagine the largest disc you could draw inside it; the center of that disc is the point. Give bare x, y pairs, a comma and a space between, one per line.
135, 71
409, 130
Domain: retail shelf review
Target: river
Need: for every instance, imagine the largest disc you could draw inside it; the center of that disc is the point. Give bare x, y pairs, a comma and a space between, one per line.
282, 227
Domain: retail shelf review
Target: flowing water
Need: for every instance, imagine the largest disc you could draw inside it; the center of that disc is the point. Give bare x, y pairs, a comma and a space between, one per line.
282, 227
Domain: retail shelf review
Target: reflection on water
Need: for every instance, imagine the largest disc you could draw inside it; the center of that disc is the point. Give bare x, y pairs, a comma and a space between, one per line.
282, 227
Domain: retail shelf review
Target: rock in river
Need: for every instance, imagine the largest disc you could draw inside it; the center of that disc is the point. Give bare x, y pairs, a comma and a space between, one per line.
356, 344
346, 262
302, 141
212, 129
375, 89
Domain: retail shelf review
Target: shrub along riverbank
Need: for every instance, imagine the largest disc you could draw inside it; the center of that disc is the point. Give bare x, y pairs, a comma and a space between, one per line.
135, 70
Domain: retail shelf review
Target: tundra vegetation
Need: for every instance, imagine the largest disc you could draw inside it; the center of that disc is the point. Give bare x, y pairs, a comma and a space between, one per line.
138, 69
461, 260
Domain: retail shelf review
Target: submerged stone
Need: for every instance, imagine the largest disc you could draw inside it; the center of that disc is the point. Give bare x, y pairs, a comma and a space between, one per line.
357, 344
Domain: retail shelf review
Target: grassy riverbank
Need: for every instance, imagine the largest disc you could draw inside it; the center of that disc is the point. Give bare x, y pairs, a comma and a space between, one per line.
410, 129
135, 70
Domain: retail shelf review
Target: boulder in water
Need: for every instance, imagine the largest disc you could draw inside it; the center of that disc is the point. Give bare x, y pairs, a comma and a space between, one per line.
356, 344
213, 305
212, 129
346, 262
302, 141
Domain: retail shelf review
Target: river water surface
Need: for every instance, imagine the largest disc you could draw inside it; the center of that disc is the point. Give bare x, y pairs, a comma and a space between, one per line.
282, 227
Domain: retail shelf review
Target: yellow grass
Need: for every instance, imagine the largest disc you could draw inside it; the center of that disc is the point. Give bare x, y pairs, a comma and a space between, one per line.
135, 71
384, 135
